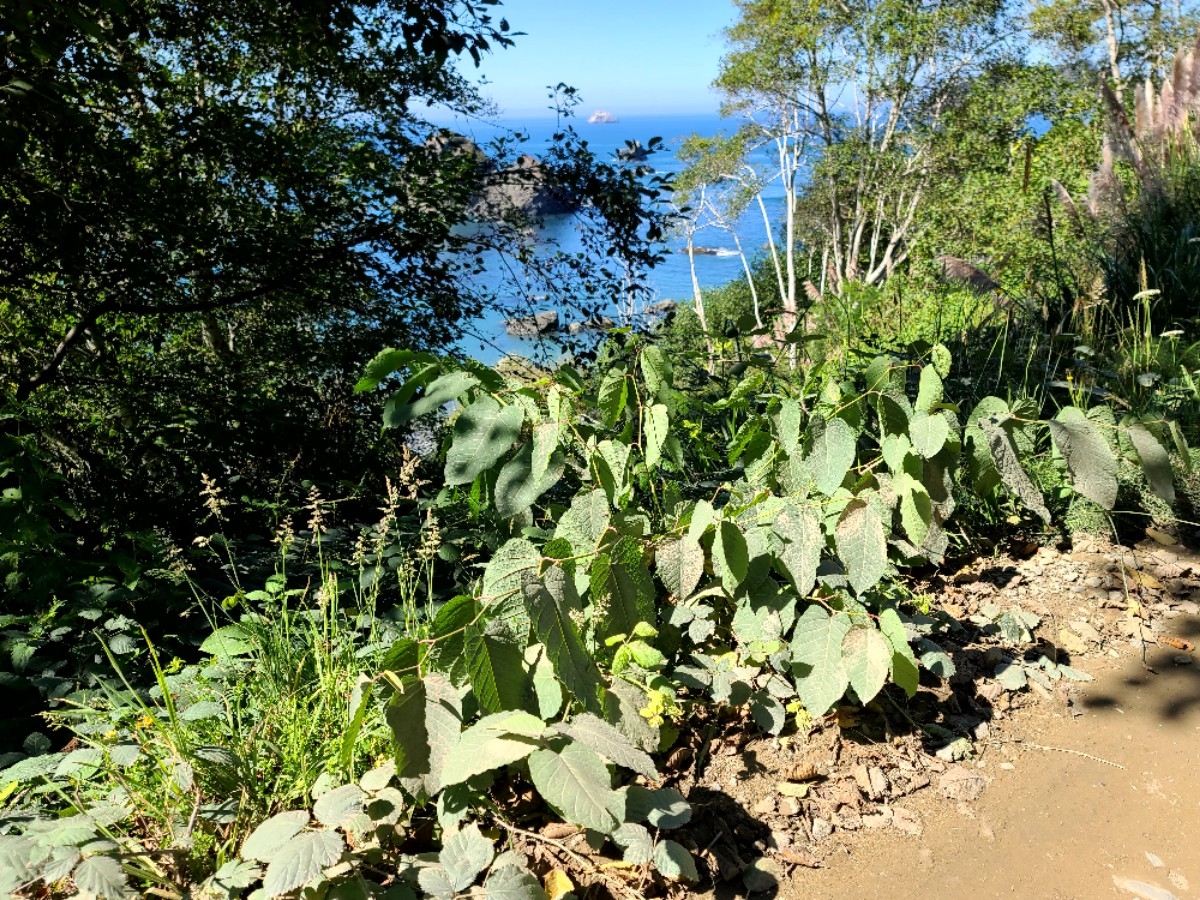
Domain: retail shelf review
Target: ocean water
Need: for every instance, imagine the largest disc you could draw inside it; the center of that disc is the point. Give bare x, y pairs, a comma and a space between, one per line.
671, 279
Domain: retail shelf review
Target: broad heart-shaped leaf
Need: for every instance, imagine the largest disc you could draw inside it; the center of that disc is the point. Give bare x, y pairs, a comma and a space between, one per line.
405, 715
1155, 462
513, 883
575, 781
516, 560
862, 545
611, 398
443, 724
803, 542
340, 805
730, 555
832, 455
552, 623
101, 876
585, 522
464, 855
981, 464
1089, 458
301, 860
788, 422
482, 434
816, 647
264, 842
916, 510
609, 464
449, 387
518, 486
673, 861
656, 370
497, 670
904, 663
622, 589
594, 732
680, 565
929, 433
545, 442
930, 391
998, 431
656, 425
492, 742
867, 657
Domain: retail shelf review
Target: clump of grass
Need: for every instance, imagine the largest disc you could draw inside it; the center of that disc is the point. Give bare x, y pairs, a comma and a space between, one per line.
275, 707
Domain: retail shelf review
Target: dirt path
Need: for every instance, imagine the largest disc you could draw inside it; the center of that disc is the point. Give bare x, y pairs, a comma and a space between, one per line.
1067, 791
1053, 824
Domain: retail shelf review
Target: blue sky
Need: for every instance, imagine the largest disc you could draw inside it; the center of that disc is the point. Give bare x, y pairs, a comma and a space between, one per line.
627, 56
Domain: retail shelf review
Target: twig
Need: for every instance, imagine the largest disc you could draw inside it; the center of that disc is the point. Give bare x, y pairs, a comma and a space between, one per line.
589, 867
1065, 750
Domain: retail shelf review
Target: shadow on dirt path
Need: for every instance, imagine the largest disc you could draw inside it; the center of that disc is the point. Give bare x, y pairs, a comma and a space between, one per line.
1059, 820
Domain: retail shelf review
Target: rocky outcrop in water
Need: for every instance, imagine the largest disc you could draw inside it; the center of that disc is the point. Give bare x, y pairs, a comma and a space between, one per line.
545, 322
522, 187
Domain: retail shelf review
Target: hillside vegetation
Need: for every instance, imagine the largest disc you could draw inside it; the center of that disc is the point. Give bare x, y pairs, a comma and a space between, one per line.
298, 600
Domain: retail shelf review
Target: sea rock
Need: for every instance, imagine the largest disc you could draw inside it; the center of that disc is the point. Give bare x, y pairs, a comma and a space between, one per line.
602, 117
545, 322
522, 187
595, 323
662, 308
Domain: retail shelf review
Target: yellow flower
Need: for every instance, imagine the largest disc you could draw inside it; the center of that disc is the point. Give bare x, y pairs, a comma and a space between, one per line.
144, 722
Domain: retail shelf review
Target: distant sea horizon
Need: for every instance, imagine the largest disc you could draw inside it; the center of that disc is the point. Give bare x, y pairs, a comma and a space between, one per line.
670, 280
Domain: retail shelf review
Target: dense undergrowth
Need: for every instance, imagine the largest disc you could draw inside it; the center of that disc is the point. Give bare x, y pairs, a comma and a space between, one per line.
573, 566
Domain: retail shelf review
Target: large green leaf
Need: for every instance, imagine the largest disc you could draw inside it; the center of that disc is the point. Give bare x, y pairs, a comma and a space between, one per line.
680, 565
482, 434
930, 391
916, 510
552, 623
832, 455
655, 427
1155, 462
1089, 457
264, 841
449, 387
929, 433
405, 716
586, 521
903, 663
656, 370
611, 399
984, 474
867, 657
497, 670
492, 742
606, 740
998, 432
730, 555
862, 545
622, 589
464, 855
609, 464
575, 782
301, 860
443, 724
516, 560
339, 806
816, 648
384, 364
101, 876
788, 422
513, 883
803, 541
518, 485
